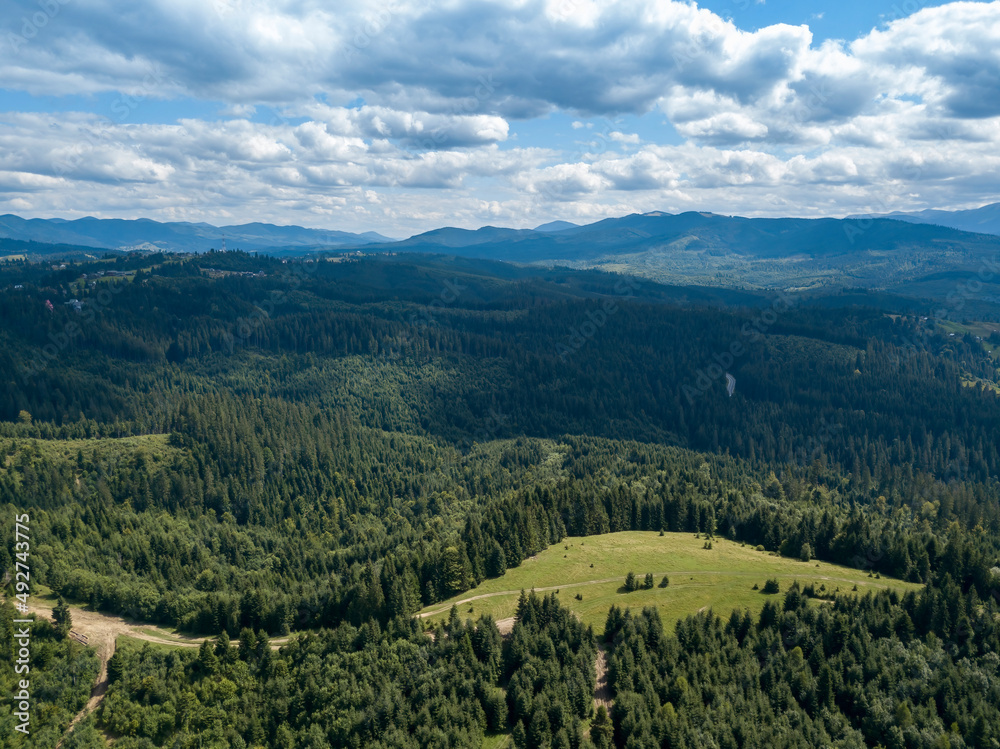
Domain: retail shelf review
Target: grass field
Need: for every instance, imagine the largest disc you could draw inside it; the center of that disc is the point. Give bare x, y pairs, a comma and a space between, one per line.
721, 578
154, 446
497, 741
124, 642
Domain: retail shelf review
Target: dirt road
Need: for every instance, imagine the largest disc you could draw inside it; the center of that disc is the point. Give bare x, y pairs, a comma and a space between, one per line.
602, 691
621, 578
101, 632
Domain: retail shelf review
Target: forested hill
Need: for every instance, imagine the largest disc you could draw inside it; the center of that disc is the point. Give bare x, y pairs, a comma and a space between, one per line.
728, 251
239, 444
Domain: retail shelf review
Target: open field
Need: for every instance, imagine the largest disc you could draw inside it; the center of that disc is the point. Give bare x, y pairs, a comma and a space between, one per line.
983, 329
154, 444
721, 578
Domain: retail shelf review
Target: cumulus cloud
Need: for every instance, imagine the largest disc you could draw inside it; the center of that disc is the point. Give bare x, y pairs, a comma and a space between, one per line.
951, 54
398, 115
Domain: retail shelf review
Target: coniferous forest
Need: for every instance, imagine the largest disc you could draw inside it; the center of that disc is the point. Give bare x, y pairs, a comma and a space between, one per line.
252, 449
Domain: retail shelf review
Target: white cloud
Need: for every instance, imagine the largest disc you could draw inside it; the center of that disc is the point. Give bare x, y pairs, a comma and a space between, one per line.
771, 122
238, 110
624, 138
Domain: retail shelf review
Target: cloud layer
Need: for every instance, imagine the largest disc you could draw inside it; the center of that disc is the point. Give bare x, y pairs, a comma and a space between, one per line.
399, 116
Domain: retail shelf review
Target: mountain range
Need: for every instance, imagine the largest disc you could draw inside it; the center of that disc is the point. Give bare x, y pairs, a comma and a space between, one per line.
714, 250
901, 255
984, 220
145, 234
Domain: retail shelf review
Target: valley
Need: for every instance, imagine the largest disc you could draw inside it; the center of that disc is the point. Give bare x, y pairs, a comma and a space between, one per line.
320, 461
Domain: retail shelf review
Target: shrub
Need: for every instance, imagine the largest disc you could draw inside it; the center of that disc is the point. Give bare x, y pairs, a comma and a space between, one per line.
771, 586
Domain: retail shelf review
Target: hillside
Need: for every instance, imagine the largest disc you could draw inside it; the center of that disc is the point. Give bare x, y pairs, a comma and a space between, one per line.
984, 220
241, 447
709, 249
154, 236
587, 574
692, 249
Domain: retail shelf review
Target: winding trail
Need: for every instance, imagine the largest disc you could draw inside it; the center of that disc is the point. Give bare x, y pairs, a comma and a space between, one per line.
101, 632
621, 578
602, 690
514, 593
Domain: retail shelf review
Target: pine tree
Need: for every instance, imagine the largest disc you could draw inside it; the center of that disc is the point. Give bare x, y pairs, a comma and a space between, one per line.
601, 730
208, 662
62, 617
223, 649
496, 562
519, 736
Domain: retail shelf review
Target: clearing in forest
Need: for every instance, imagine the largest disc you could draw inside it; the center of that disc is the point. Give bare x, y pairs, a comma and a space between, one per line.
594, 567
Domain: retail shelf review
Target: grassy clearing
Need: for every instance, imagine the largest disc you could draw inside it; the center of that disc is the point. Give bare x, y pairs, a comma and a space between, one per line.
153, 446
497, 741
983, 329
124, 641
594, 567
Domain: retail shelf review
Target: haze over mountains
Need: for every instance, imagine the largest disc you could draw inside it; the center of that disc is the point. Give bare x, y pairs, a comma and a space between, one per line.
903, 255
985, 220
173, 236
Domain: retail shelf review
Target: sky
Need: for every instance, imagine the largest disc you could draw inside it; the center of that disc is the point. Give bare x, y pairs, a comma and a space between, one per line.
399, 117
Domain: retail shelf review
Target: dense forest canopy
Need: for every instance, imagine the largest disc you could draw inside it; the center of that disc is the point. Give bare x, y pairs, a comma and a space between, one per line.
245, 447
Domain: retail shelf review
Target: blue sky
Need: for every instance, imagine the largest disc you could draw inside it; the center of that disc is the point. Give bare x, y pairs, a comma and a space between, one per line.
398, 116
848, 19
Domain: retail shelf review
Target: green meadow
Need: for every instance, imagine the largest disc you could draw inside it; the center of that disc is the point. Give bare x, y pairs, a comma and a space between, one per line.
594, 568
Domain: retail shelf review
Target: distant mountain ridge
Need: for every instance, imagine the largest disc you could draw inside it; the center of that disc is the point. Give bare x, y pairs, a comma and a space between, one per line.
553, 226
915, 259
984, 220
691, 231
714, 250
117, 234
